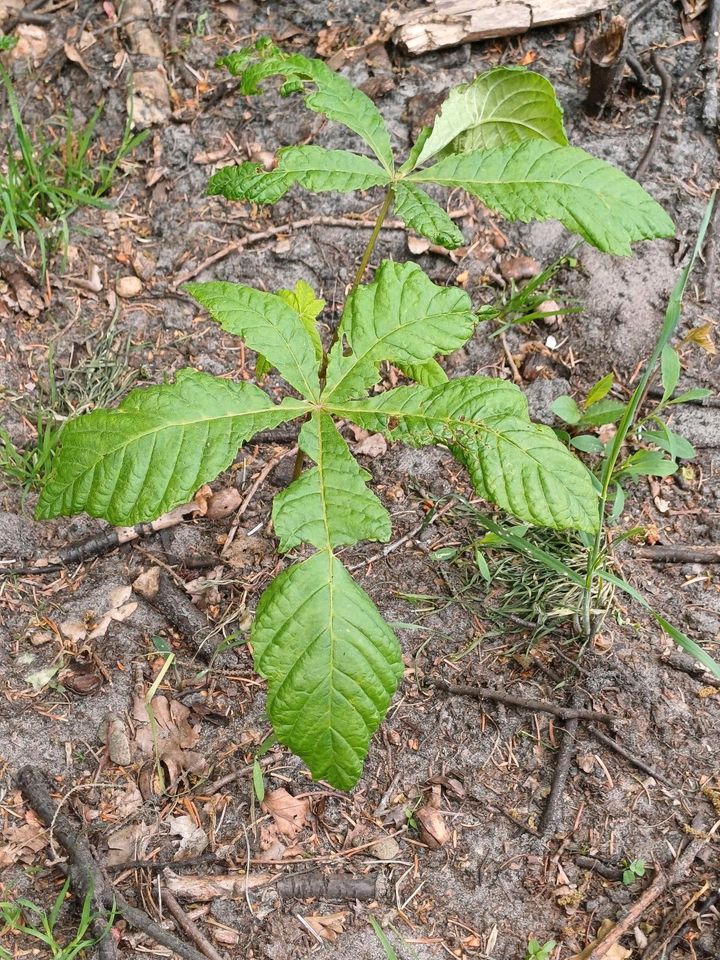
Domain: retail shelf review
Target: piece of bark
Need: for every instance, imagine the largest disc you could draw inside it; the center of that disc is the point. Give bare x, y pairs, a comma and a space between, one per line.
162, 593
448, 23
201, 888
710, 65
607, 54
332, 887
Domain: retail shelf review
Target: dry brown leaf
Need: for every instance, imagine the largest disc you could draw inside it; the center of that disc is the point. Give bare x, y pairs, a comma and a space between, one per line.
328, 926
32, 43
702, 337
374, 445
129, 843
616, 952
193, 839
288, 812
74, 56
22, 843
433, 829
175, 737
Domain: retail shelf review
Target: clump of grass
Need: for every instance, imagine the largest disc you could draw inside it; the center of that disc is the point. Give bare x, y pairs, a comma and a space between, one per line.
45, 179
25, 918
507, 585
101, 378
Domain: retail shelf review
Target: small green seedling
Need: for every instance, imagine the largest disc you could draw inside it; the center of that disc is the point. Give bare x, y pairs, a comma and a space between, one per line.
331, 661
632, 870
539, 951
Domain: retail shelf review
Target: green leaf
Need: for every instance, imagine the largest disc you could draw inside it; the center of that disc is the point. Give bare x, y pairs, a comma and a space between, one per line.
313, 168
268, 325
308, 307
648, 463
332, 665
671, 442
412, 157
249, 181
403, 317
566, 408
587, 443
695, 393
422, 214
603, 411
670, 371
599, 390
429, 373
499, 108
539, 180
258, 782
517, 464
333, 96
131, 464
330, 505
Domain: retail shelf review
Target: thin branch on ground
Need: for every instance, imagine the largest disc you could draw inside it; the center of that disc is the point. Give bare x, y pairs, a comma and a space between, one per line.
396, 544
630, 757
251, 238
572, 713
659, 122
678, 553
552, 814
710, 64
188, 926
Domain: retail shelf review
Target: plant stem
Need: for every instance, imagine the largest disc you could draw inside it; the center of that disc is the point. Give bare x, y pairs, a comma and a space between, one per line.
672, 319
359, 274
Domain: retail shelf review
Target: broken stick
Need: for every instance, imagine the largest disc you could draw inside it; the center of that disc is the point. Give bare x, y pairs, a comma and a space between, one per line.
711, 62
158, 589
607, 52
448, 23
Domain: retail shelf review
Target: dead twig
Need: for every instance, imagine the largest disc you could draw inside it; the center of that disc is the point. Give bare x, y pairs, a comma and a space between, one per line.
188, 926
630, 757
674, 927
87, 878
396, 544
553, 808
158, 589
104, 542
254, 487
659, 883
606, 53
339, 886
572, 713
665, 97
678, 553
251, 238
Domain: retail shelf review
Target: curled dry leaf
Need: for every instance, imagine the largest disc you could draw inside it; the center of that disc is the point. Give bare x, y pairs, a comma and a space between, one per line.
328, 926
288, 812
373, 445
174, 739
193, 839
118, 742
433, 829
223, 503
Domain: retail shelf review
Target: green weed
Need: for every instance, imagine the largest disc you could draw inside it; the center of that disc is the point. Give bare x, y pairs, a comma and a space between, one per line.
48, 178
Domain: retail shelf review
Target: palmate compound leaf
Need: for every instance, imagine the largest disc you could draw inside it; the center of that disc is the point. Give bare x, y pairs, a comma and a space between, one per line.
519, 465
269, 325
539, 180
425, 216
499, 108
131, 464
332, 665
333, 96
331, 662
403, 317
313, 168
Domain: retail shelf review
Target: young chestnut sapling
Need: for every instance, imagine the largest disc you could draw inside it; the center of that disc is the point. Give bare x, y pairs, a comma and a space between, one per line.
331, 661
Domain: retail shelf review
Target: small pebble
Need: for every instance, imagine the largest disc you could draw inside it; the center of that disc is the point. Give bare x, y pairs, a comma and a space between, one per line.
128, 287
